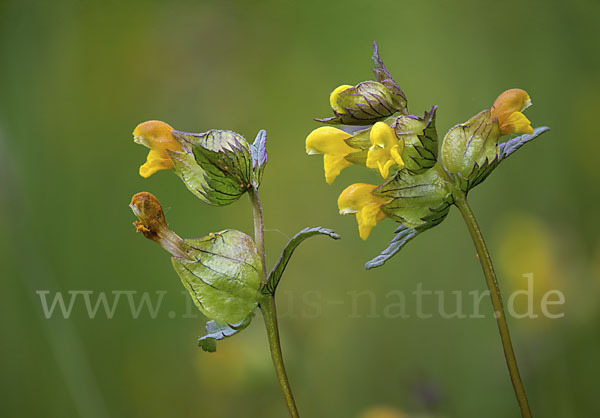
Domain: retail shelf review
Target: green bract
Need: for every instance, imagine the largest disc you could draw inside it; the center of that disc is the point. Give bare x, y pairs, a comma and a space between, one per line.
420, 140
413, 197
469, 144
223, 276
219, 166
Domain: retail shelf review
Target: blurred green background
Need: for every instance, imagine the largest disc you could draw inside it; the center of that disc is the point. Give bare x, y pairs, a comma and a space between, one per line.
77, 77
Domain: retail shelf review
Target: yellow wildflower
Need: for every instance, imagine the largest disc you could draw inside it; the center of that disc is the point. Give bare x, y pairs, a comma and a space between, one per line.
386, 149
359, 199
157, 136
331, 143
507, 109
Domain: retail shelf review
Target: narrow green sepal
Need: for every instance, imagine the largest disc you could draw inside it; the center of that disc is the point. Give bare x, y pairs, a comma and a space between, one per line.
275, 275
224, 275
216, 331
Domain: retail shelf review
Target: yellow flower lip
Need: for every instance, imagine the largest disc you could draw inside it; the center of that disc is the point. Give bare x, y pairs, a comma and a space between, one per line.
331, 142
359, 199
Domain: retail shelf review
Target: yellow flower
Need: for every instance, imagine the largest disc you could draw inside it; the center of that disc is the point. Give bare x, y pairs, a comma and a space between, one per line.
507, 109
157, 136
359, 199
386, 149
333, 98
331, 143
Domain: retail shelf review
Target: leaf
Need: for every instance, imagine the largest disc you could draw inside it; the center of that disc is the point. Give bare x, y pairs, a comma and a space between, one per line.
217, 331
224, 276
279, 268
259, 154
404, 234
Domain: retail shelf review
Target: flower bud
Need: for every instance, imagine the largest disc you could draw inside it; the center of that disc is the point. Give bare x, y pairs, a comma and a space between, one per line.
365, 103
369, 101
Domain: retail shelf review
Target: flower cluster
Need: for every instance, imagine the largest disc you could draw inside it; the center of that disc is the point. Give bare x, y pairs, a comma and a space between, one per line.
420, 175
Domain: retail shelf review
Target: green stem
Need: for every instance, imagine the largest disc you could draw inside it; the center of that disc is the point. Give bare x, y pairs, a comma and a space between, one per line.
490, 277
269, 311
259, 234
270, 316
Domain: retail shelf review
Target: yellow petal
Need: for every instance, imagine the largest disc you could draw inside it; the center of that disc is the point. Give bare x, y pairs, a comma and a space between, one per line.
386, 149
333, 165
155, 162
331, 142
328, 140
516, 123
396, 153
333, 98
513, 100
359, 199
384, 169
383, 135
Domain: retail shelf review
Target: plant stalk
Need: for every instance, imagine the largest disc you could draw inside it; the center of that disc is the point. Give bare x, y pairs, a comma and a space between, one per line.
259, 232
269, 311
490, 277
270, 316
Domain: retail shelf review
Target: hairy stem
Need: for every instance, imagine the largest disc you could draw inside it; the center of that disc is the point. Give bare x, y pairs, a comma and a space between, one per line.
270, 316
492, 283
